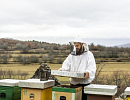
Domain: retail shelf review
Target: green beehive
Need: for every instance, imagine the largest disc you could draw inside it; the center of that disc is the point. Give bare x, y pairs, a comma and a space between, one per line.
68, 92
9, 90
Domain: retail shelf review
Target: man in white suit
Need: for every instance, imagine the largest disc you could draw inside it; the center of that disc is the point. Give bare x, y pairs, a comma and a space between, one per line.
80, 60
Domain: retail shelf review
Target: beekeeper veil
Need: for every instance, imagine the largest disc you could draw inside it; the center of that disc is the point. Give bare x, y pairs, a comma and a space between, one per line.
78, 40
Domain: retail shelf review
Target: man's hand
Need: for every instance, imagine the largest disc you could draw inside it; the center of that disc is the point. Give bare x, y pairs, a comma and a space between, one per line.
59, 70
86, 75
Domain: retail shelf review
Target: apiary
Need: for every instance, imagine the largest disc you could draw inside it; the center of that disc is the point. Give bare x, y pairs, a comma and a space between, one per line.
127, 93
100, 92
64, 92
67, 74
36, 90
9, 89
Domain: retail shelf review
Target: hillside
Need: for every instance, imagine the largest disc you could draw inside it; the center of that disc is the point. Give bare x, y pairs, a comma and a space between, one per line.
124, 45
65, 40
15, 51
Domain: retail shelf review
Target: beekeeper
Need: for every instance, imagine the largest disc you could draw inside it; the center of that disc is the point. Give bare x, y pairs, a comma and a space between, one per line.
80, 60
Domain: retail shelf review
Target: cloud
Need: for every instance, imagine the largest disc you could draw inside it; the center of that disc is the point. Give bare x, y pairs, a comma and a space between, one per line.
87, 18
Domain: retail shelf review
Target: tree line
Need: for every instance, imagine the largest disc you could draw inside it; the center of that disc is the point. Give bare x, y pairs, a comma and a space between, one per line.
54, 50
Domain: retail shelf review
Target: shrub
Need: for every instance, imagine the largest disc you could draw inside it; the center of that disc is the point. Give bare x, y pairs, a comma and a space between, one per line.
5, 59
51, 58
19, 58
0, 59
119, 60
23, 59
26, 60
10, 56
59, 61
18, 46
34, 59
51, 53
4, 47
45, 58
25, 49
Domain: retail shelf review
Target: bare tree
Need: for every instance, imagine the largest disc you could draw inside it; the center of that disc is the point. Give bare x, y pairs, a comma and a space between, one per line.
5, 47
4, 74
25, 60
0, 59
5, 59
18, 46
45, 58
1, 73
126, 77
25, 48
34, 59
24, 74
98, 72
10, 73
51, 58
18, 73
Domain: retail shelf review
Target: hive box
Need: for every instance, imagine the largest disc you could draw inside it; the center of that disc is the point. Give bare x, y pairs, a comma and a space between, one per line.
100, 92
67, 74
36, 94
70, 92
127, 93
118, 99
32, 83
9, 82
9, 89
36, 90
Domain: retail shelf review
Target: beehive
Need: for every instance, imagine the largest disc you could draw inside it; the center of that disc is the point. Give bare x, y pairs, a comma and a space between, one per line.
127, 93
69, 92
9, 89
67, 74
36, 89
100, 92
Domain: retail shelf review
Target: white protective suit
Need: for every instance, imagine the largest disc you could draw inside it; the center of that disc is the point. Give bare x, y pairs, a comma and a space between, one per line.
80, 63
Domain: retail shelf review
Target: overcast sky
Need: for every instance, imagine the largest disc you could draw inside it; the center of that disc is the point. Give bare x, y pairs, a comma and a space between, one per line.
70, 18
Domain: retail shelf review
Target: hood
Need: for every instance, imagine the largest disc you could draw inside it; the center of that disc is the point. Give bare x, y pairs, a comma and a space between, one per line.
85, 45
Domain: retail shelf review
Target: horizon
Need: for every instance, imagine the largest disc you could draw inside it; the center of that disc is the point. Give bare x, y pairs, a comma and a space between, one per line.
65, 40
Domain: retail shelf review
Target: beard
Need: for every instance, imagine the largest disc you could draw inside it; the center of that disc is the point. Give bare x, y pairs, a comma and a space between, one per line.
78, 51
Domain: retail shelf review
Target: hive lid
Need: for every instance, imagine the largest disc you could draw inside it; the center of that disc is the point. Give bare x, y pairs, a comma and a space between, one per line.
127, 91
31, 83
100, 89
67, 74
9, 82
67, 88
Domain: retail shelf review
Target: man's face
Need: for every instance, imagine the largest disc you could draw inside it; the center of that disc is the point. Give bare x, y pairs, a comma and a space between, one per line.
78, 47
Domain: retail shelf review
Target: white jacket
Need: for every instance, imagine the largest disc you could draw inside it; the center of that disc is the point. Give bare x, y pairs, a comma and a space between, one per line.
80, 63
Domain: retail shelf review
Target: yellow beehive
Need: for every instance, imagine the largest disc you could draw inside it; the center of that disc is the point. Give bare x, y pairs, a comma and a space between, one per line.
36, 94
36, 89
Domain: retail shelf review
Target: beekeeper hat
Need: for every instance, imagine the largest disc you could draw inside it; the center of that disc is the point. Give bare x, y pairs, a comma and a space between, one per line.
78, 39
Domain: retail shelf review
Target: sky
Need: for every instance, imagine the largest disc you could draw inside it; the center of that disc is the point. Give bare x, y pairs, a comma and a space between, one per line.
65, 18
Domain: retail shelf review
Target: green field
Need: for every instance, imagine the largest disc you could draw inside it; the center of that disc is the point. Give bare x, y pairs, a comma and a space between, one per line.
31, 68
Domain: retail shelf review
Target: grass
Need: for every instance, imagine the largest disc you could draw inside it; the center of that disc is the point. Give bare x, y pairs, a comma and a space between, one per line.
114, 66
31, 68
